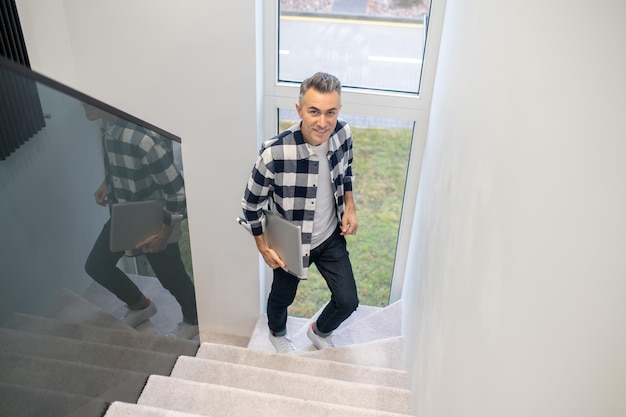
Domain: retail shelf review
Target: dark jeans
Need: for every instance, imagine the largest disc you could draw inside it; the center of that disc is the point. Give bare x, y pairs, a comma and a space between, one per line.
167, 265
333, 262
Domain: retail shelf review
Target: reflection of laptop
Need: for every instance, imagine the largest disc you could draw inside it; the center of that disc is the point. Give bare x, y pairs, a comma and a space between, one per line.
135, 221
285, 238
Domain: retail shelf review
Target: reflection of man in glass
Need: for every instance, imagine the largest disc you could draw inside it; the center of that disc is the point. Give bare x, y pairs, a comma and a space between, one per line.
139, 166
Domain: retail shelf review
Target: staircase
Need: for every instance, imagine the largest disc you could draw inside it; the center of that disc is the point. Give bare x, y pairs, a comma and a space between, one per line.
91, 364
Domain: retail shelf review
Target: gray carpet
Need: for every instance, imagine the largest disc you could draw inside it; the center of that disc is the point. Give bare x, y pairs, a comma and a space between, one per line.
363, 376
77, 360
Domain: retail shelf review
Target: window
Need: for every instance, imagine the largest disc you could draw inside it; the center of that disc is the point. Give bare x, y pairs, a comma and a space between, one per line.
377, 45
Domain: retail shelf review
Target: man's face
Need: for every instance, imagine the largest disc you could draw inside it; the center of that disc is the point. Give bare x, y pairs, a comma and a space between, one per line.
91, 113
319, 112
95, 113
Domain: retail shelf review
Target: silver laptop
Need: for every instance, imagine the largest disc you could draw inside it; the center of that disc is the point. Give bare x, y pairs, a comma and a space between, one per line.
135, 221
286, 239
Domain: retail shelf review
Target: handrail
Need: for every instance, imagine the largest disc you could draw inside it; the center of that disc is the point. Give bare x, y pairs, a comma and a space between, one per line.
49, 82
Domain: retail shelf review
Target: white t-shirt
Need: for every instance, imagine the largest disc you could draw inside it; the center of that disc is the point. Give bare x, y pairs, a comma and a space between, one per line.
325, 220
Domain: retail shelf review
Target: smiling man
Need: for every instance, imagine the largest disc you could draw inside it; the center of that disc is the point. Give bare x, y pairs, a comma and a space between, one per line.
305, 175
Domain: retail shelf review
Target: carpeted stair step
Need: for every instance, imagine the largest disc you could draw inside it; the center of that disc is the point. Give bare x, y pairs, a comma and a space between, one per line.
259, 338
168, 314
70, 307
381, 324
224, 338
66, 376
294, 385
384, 353
120, 409
139, 360
216, 401
24, 401
308, 366
297, 327
362, 313
105, 336
127, 391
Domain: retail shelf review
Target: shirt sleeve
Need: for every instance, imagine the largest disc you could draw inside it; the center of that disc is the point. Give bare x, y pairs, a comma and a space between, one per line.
160, 161
348, 178
257, 192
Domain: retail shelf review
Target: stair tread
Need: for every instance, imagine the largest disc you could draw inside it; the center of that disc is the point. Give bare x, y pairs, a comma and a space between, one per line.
109, 336
305, 365
209, 399
362, 312
169, 312
259, 338
297, 328
53, 347
292, 384
384, 353
121, 409
17, 401
224, 338
54, 374
381, 324
72, 308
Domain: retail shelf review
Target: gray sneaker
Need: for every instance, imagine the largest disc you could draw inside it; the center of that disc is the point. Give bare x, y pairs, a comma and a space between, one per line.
319, 341
135, 317
282, 344
185, 331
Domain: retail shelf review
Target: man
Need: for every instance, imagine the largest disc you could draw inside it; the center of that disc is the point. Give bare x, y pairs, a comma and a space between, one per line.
139, 166
307, 173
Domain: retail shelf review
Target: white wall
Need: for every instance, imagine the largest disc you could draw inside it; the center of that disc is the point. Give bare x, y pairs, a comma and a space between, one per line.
516, 306
44, 24
180, 66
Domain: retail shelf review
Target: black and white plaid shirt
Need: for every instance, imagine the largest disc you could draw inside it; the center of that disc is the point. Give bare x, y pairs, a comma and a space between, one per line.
287, 172
139, 165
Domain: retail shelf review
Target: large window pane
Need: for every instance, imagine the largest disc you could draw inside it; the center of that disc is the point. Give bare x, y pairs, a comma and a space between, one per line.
381, 156
372, 44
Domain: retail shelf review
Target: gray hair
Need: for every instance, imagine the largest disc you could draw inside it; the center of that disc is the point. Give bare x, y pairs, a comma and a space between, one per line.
322, 82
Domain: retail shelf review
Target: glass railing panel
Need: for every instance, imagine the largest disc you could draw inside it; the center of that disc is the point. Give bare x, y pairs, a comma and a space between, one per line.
374, 45
50, 221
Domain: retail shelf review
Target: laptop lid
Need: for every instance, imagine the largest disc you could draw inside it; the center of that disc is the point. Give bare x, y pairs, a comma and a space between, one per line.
285, 238
135, 221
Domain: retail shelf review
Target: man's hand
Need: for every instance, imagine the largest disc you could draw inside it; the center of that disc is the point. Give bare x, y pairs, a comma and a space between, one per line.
156, 243
349, 222
269, 255
101, 195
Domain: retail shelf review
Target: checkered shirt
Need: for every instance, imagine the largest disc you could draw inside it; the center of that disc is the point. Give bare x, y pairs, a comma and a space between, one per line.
286, 172
139, 165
